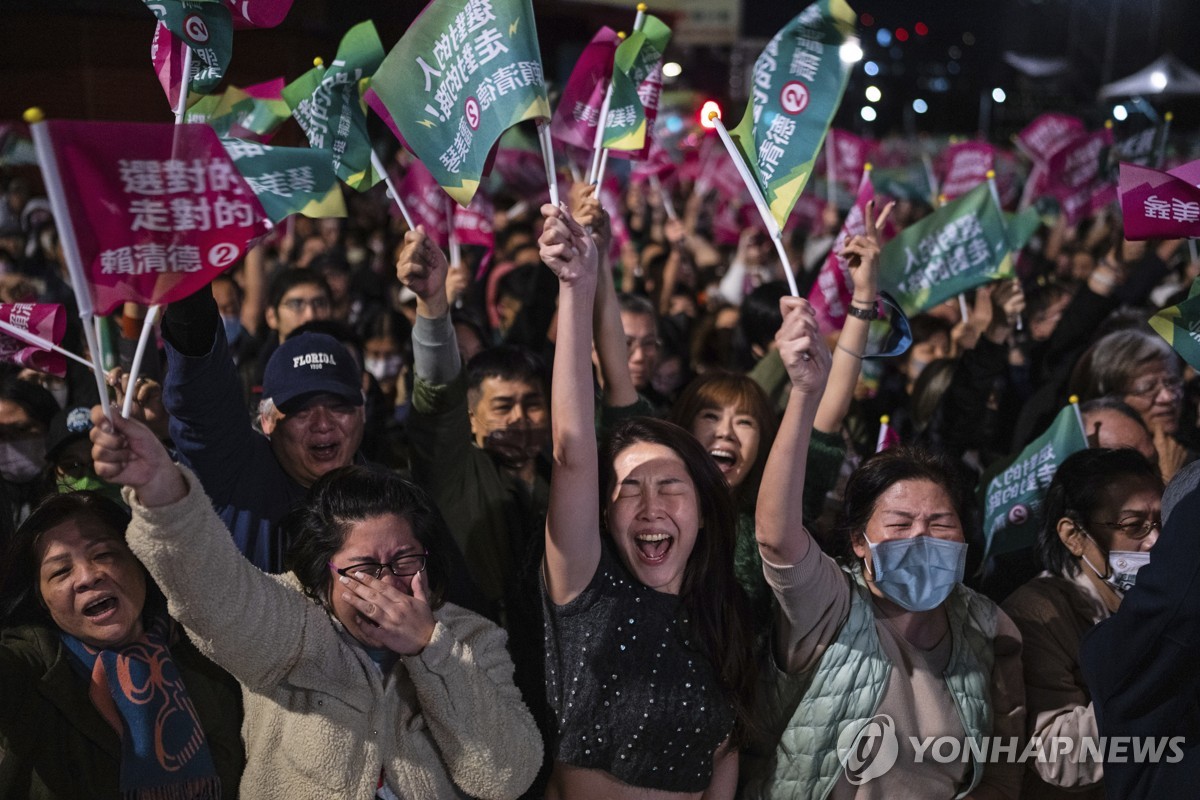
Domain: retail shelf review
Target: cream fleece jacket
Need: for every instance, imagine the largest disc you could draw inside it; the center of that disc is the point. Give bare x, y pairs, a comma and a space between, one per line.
321, 719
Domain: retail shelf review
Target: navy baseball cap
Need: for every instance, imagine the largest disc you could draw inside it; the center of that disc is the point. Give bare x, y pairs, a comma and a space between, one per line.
311, 364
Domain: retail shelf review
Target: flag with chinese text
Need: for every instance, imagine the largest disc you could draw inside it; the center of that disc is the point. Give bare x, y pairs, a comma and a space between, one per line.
1158, 204
253, 113
959, 246
1076, 176
578, 113
1180, 326
204, 26
288, 180
1047, 134
845, 156
463, 73
158, 210
964, 166
636, 89
797, 85
328, 104
1013, 498
426, 202
44, 320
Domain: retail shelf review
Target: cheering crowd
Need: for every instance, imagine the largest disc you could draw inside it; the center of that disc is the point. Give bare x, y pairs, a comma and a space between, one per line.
576, 520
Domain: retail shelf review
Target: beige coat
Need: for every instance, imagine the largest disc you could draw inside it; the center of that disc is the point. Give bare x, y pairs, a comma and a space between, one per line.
321, 719
1053, 613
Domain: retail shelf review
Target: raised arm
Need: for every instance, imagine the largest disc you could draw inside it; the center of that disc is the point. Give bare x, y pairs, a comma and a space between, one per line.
862, 257
422, 267
609, 334
573, 518
778, 518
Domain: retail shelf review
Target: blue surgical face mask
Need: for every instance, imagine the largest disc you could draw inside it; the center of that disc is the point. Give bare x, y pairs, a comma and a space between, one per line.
233, 328
918, 573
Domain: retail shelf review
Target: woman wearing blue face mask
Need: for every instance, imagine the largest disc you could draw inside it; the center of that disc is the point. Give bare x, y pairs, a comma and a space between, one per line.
1102, 515
890, 674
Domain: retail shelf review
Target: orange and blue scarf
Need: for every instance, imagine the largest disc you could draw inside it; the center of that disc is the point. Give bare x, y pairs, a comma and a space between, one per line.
139, 692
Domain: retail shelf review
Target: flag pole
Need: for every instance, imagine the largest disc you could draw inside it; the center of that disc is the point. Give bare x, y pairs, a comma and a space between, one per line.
543, 129
760, 202
377, 165
185, 87
599, 152
831, 169
1019, 323
455, 246
927, 162
668, 206
48, 162
21, 334
1074, 401
1162, 144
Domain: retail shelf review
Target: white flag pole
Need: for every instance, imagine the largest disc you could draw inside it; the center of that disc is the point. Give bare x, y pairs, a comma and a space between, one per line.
377, 164
66, 231
668, 206
543, 129
20, 334
599, 152
759, 201
455, 246
185, 87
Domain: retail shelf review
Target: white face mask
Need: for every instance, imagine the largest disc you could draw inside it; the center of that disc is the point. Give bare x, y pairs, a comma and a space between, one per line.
22, 460
1123, 566
385, 368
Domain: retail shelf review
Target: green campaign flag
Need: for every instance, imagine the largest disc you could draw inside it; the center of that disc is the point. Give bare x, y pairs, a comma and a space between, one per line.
1013, 498
1022, 226
255, 112
203, 26
204, 109
798, 83
959, 246
636, 58
903, 183
328, 104
288, 180
463, 73
1180, 326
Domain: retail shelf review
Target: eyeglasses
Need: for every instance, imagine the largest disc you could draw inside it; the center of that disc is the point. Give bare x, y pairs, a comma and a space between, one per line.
1148, 391
402, 567
1135, 529
645, 345
297, 304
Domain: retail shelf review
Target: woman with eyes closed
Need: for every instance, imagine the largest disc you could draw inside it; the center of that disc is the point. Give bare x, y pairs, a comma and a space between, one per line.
357, 680
1102, 516
888, 646
650, 665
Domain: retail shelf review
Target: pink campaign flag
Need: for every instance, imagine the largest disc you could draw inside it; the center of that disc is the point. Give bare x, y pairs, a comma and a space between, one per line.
257, 13
833, 289
45, 321
658, 164
1158, 204
964, 166
473, 224
158, 210
848, 153
426, 202
578, 112
888, 437
1076, 175
1047, 134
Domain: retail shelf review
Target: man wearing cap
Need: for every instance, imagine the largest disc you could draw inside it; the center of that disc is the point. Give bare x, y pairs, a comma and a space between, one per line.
311, 415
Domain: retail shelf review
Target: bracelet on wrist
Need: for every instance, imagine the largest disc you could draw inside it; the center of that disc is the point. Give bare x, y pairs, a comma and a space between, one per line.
859, 312
850, 352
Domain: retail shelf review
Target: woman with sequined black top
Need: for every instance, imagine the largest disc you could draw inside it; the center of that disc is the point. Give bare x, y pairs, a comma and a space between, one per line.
649, 657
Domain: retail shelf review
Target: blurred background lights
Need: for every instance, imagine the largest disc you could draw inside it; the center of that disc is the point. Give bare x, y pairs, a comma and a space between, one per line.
850, 52
998, 95
871, 68
901, 35
1119, 113
867, 113
873, 94
920, 106
883, 36
1158, 79
672, 69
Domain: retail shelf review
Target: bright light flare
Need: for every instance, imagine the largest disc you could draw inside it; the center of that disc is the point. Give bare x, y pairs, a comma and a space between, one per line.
672, 69
998, 95
709, 113
850, 52
1158, 79
1120, 113
873, 94
867, 113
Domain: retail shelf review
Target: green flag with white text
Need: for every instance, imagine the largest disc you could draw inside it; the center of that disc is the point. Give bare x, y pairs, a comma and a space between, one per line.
636, 59
1180, 326
463, 73
1013, 498
797, 86
288, 180
328, 104
959, 246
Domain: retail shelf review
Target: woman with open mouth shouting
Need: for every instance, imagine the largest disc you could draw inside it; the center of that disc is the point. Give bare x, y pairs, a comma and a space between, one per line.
649, 659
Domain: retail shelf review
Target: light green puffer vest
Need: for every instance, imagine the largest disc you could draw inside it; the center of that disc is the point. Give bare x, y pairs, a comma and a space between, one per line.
810, 711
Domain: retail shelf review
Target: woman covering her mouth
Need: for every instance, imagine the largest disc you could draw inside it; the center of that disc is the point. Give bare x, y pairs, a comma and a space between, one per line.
649, 656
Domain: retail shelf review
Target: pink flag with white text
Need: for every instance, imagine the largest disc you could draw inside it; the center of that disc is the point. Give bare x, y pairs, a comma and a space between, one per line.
1158, 204
426, 202
1077, 178
578, 113
1049, 132
846, 155
44, 320
964, 166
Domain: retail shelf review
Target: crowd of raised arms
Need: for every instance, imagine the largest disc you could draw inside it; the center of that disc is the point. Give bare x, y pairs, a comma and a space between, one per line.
581, 521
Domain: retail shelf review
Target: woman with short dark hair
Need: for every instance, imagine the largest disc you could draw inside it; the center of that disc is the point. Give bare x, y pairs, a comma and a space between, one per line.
101, 694
357, 680
1102, 514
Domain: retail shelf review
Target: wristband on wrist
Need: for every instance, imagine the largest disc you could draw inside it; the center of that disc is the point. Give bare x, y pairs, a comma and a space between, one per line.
858, 312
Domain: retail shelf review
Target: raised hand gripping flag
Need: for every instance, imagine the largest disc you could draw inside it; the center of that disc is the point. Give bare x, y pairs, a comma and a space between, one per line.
463, 73
798, 83
44, 321
328, 104
157, 210
578, 112
288, 180
1158, 204
959, 246
204, 26
426, 203
1013, 498
636, 87
1180, 326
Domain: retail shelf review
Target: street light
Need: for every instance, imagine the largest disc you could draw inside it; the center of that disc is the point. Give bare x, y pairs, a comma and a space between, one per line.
1158, 79
998, 95
1120, 113
672, 69
873, 94
850, 52
867, 113
920, 106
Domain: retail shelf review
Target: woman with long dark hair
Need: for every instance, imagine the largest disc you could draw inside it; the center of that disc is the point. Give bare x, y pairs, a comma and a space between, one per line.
650, 662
